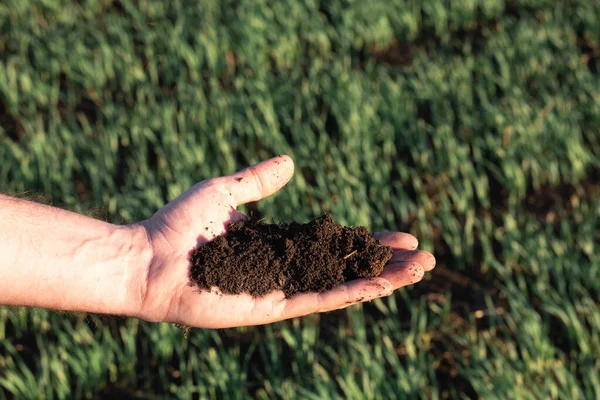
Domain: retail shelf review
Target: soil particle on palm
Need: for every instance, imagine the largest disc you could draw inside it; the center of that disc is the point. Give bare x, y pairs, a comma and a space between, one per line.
257, 258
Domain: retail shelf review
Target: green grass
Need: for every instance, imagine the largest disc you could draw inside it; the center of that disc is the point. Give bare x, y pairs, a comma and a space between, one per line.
473, 124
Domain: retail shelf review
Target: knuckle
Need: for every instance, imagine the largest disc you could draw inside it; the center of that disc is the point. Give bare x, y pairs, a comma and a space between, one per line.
257, 180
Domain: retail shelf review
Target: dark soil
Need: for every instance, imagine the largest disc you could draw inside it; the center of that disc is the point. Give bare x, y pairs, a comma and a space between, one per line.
257, 258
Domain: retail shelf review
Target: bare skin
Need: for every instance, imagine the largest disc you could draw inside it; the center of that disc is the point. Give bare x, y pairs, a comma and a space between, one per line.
60, 260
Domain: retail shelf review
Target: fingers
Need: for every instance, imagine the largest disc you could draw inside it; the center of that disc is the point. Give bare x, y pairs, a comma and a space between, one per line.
260, 180
424, 258
404, 246
402, 274
394, 276
339, 297
397, 240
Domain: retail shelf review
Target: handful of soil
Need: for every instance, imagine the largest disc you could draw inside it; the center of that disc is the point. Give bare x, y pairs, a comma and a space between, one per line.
257, 258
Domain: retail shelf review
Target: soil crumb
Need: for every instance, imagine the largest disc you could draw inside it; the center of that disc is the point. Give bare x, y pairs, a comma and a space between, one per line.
257, 258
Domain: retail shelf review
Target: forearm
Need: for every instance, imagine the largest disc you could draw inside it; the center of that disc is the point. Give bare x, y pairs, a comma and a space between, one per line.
57, 259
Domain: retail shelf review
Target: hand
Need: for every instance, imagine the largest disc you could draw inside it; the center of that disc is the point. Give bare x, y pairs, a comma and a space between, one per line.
181, 226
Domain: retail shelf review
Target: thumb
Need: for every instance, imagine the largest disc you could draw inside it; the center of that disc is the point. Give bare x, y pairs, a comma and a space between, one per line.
260, 180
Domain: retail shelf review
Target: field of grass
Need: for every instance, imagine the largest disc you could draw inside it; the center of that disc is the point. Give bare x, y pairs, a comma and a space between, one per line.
473, 124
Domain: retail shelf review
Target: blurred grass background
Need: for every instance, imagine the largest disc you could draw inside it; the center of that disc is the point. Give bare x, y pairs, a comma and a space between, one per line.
474, 124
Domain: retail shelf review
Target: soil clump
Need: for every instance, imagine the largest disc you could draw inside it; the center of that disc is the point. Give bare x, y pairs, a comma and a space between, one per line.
257, 258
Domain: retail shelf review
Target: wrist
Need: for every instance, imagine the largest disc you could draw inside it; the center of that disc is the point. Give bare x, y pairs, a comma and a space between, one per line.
136, 267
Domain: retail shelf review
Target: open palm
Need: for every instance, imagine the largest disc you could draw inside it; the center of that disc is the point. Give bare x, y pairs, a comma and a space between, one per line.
203, 212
